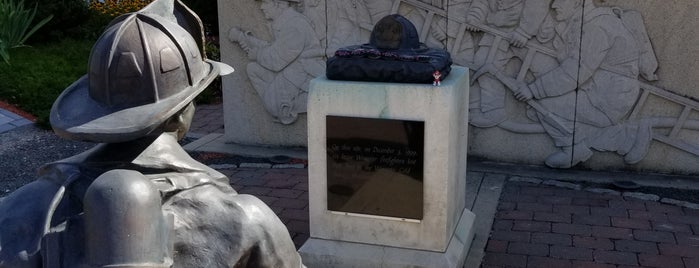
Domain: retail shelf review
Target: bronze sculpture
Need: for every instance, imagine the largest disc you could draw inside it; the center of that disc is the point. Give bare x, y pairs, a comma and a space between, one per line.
137, 199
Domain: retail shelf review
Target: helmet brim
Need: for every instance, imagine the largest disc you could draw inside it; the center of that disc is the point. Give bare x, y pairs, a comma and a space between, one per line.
76, 116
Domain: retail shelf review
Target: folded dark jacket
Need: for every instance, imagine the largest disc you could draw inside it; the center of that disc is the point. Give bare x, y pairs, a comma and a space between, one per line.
367, 63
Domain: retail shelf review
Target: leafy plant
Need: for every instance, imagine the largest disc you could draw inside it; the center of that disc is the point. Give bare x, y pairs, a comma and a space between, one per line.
15, 21
103, 12
70, 20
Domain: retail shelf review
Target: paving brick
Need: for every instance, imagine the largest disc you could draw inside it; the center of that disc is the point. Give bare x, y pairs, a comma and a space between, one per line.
511, 189
552, 217
536, 191
636, 246
589, 264
671, 227
615, 257
598, 220
610, 211
502, 225
691, 211
531, 226
535, 261
303, 186
647, 215
569, 192
298, 226
652, 260
573, 229
593, 242
628, 204
632, 223
253, 181
514, 215
612, 232
503, 206
691, 262
505, 259
686, 219
590, 202
528, 249
269, 200
254, 190
290, 203
571, 253
584, 210
511, 236
654, 236
516, 198
686, 239
497, 246
281, 183
534, 207
679, 250
552, 239
299, 239
662, 208
555, 199
285, 193
295, 214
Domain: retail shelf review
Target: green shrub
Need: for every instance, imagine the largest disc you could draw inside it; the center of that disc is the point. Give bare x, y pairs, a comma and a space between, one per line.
39, 74
69, 20
15, 21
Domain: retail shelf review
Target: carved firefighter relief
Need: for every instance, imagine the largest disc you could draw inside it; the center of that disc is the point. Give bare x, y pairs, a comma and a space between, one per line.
580, 72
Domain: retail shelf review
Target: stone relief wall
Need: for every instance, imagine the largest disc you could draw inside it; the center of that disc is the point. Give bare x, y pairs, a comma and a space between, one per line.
561, 82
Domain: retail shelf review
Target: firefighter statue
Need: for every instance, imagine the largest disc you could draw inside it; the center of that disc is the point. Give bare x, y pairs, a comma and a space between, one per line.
137, 199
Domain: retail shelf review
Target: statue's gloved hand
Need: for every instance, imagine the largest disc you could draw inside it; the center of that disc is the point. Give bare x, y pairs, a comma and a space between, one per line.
517, 39
523, 93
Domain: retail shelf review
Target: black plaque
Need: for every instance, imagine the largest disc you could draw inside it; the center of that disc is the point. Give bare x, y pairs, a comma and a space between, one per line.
375, 166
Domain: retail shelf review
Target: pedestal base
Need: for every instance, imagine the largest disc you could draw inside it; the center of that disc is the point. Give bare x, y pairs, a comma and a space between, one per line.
331, 253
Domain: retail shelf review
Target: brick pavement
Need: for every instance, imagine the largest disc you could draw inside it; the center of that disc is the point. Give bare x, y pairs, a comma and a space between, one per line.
545, 226
208, 118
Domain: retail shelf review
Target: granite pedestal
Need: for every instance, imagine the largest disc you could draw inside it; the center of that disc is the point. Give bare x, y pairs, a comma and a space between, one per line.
381, 207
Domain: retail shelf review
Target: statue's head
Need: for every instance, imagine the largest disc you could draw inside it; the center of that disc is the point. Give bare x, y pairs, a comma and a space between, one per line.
566, 9
144, 70
273, 8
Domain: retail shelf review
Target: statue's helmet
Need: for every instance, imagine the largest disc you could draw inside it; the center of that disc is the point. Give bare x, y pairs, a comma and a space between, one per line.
143, 69
394, 32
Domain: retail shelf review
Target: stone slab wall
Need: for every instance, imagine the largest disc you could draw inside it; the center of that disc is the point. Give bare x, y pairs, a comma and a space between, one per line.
607, 121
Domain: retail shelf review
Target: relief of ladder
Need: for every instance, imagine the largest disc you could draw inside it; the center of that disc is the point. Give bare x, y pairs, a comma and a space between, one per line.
675, 124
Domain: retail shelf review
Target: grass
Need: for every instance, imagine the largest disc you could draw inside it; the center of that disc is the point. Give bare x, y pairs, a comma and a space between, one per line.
38, 74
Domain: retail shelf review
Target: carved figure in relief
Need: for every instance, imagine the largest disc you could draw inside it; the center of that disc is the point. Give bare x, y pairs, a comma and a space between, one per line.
602, 63
439, 33
349, 23
138, 199
282, 68
519, 21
